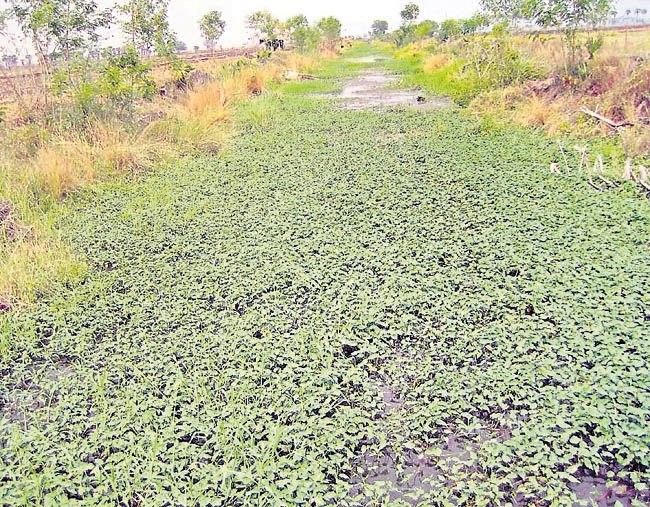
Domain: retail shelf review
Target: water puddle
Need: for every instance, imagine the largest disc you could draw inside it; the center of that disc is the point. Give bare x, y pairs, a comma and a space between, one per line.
595, 491
367, 59
372, 89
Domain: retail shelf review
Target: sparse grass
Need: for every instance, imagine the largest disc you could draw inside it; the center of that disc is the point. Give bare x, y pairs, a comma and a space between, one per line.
435, 62
34, 265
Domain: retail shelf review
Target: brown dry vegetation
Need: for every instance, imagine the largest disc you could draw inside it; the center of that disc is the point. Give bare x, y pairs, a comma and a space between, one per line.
42, 162
615, 84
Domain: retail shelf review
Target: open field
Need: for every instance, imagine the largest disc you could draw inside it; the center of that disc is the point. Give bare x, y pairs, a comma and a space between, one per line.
382, 306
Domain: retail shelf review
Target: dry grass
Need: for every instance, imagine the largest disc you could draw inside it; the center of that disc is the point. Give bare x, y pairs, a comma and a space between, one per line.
547, 50
298, 62
45, 163
617, 86
435, 61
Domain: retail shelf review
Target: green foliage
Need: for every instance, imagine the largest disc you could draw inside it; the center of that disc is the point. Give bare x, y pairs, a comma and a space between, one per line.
379, 28
471, 25
212, 26
263, 24
306, 38
505, 11
126, 78
493, 61
344, 308
449, 29
180, 70
61, 27
593, 44
248, 313
409, 13
330, 27
425, 29
111, 89
147, 27
450, 80
403, 36
481, 63
297, 21
568, 16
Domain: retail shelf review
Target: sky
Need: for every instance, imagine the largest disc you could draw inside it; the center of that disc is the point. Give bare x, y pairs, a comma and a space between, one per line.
356, 15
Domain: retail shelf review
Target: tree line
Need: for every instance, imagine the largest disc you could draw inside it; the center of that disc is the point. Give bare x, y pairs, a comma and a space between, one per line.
63, 29
567, 17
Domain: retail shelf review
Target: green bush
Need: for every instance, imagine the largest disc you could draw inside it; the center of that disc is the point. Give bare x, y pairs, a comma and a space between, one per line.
493, 61
86, 90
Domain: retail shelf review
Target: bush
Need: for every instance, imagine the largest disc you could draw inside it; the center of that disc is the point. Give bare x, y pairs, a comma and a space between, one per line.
493, 61
111, 89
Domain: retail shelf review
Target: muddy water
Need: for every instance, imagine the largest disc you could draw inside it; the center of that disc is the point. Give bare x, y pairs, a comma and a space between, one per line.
372, 89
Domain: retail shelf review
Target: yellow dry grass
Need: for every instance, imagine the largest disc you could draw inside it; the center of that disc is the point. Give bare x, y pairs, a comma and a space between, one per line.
435, 62
43, 164
298, 62
548, 51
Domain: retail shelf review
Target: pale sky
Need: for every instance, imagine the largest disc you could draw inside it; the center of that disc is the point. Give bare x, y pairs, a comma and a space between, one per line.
356, 15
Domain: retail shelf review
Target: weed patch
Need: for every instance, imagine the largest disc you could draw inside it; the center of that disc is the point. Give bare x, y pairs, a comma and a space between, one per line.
247, 314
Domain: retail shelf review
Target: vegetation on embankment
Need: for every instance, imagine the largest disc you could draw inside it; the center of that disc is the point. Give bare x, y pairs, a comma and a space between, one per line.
117, 122
509, 79
341, 308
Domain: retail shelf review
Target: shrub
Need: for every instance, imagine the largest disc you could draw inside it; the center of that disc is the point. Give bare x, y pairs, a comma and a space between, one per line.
495, 62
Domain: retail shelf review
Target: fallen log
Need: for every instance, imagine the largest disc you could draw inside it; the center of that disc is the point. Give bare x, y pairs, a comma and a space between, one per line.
605, 120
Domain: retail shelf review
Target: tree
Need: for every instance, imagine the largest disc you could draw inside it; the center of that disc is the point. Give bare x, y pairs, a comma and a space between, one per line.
568, 16
303, 36
298, 21
504, 11
449, 29
425, 29
147, 26
263, 25
4, 17
471, 25
330, 27
379, 27
410, 13
306, 38
60, 26
212, 27
180, 46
